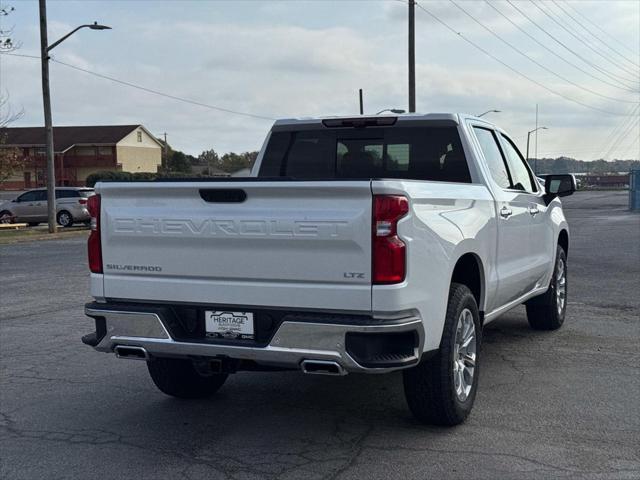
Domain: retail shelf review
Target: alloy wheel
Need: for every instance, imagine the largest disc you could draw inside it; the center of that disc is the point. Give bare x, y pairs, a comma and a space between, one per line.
64, 219
561, 286
464, 355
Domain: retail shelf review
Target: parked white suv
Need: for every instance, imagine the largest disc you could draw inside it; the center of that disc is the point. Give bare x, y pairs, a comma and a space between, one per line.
360, 245
31, 207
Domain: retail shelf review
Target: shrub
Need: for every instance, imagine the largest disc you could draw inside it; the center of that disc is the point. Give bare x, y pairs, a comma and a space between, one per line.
135, 177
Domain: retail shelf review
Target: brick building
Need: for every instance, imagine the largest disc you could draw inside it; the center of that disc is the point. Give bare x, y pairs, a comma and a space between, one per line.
81, 151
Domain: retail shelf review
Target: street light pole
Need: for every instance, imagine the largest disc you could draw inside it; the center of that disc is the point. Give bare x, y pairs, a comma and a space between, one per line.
391, 110
488, 111
48, 126
535, 166
45, 48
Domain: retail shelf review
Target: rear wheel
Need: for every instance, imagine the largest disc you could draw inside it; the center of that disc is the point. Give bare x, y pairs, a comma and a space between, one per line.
179, 378
65, 219
442, 389
547, 311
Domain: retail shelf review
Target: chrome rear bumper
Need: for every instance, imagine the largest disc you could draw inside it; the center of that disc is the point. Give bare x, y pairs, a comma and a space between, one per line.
292, 343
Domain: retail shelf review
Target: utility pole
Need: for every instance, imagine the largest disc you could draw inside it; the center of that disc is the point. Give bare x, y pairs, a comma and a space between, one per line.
48, 125
361, 103
412, 56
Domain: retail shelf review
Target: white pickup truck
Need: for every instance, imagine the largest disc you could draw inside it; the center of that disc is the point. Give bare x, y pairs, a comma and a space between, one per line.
368, 244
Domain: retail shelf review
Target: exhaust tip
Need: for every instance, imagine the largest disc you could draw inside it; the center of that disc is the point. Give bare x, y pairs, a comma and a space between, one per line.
131, 353
322, 367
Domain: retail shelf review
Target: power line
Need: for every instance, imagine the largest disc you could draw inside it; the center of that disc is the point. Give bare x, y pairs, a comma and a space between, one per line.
624, 57
584, 42
623, 134
616, 130
593, 92
146, 89
162, 94
631, 145
600, 28
564, 59
566, 47
37, 57
489, 54
605, 145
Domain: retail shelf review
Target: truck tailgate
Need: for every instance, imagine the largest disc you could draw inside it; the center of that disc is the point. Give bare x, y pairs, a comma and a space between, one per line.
294, 244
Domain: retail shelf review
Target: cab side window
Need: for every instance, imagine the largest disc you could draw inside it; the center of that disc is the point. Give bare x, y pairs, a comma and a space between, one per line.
519, 172
493, 156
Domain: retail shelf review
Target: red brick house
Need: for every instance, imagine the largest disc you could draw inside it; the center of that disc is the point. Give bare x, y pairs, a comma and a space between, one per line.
81, 151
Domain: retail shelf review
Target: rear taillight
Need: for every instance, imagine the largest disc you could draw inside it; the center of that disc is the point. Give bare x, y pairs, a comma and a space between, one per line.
389, 256
94, 245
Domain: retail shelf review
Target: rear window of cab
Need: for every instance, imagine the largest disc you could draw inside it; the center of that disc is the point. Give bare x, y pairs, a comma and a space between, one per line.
411, 153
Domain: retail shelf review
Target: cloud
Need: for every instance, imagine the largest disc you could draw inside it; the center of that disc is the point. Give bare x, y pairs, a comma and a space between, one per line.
293, 60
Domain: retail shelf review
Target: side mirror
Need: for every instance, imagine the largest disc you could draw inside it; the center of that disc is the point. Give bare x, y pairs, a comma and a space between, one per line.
558, 186
15, 200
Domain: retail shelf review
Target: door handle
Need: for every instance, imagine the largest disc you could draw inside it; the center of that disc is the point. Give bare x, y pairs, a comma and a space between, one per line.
534, 211
505, 212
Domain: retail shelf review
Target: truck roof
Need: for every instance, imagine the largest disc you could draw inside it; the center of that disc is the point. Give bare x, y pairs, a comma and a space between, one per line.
455, 118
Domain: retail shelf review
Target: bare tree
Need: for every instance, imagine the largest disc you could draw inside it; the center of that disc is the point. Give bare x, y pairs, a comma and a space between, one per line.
10, 159
7, 43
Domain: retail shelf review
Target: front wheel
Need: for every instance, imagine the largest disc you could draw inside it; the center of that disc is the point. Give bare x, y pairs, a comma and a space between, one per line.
442, 389
547, 311
6, 217
179, 378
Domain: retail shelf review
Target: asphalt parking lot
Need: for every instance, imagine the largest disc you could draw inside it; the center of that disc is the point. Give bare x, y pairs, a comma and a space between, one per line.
562, 404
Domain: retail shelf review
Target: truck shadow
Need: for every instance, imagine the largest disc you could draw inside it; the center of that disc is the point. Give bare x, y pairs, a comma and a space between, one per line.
254, 401
283, 423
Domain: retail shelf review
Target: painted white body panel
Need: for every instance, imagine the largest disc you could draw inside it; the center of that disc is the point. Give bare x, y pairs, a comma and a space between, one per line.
288, 245
296, 244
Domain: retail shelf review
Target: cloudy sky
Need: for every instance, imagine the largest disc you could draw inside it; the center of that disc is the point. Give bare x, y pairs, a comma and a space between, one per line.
278, 59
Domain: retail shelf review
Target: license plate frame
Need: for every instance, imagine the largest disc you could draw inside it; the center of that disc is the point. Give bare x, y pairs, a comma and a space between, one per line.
229, 324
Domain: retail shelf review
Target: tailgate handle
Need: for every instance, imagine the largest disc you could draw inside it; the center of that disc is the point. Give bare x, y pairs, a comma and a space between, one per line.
223, 195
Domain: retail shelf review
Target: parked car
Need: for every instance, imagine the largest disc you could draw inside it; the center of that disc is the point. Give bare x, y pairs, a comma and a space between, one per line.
364, 245
31, 207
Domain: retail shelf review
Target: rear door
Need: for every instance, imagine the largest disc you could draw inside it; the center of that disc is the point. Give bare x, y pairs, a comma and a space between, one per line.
297, 244
512, 205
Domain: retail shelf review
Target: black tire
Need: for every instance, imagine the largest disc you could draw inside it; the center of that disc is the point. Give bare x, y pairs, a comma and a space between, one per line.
429, 387
547, 311
64, 219
6, 217
179, 378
